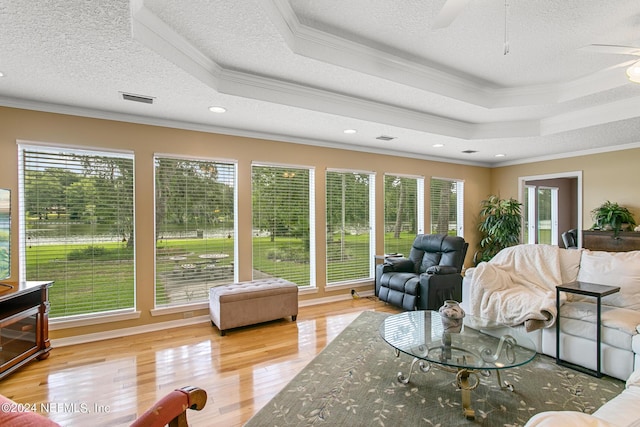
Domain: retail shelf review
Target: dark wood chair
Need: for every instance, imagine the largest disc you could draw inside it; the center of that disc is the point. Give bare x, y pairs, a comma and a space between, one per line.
172, 409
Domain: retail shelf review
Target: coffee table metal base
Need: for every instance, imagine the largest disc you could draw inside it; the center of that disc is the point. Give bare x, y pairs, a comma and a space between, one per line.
462, 381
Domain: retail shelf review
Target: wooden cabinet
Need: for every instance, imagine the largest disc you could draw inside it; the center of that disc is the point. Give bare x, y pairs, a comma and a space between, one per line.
24, 324
604, 241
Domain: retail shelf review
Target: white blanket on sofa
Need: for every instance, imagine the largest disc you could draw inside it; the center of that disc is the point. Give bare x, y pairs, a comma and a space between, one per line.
518, 286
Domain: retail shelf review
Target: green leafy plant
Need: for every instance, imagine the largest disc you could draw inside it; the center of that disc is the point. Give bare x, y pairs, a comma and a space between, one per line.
611, 216
500, 224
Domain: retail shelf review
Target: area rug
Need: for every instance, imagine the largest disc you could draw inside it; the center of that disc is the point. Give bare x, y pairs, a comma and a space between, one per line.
353, 382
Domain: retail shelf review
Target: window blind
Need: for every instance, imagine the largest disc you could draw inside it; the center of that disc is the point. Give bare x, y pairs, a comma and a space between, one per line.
77, 227
195, 228
403, 212
349, 198
283, 238
447, 207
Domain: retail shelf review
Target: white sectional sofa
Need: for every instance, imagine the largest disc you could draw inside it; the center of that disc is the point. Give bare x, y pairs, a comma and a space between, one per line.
518, 288
622, 410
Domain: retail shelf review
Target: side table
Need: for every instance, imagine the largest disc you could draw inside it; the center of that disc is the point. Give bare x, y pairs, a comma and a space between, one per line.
592, 290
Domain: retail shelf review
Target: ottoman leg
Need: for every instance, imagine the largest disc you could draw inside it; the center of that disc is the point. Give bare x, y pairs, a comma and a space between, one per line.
294, 317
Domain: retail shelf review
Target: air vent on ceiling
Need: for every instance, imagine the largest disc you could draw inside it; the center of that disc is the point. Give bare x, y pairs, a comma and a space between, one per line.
469, 151
385, 138
137, 98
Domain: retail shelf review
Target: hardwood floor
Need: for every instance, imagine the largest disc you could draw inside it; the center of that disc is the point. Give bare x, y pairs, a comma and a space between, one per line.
109, 383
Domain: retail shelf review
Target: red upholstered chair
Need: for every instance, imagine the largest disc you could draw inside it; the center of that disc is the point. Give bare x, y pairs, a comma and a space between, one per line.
11, 416
171, 410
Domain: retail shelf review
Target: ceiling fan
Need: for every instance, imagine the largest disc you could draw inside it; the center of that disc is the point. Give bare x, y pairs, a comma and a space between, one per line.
633, 72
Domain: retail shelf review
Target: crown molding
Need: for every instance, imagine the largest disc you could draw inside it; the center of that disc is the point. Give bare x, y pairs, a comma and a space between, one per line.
158, 36
130, 118
197, 127
329, 48
435, 78
600, 114
574, 154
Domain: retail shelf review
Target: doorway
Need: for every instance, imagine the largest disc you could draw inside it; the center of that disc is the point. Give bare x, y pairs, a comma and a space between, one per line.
552, 205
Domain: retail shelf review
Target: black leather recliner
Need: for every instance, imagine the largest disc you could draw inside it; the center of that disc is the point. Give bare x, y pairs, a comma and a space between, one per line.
428, 277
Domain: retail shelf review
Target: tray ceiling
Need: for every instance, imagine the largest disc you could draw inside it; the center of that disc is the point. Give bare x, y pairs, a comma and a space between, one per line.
306, 70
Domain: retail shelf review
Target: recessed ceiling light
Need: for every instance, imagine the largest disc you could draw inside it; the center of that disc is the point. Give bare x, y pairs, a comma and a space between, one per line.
350, 131
500, 155
218, 110
1, 74
438, 145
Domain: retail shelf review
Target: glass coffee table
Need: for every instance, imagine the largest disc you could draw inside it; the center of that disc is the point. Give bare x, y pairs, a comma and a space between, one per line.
482, 346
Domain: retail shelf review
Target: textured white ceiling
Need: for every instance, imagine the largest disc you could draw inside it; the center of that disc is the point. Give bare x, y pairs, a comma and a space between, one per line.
305, 70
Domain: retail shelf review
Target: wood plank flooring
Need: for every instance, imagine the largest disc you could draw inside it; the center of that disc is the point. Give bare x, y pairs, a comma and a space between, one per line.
109, 383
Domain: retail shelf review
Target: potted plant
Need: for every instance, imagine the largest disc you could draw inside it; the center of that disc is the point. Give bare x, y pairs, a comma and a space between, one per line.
500, 224
611, 216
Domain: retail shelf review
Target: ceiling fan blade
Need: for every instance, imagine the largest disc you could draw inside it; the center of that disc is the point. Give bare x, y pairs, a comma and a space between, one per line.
609, 48
450, 10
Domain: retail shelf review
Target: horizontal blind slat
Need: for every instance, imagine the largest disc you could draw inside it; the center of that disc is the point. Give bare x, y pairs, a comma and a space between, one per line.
77, 215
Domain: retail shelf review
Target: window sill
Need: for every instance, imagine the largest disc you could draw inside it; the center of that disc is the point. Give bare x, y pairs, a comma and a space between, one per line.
161, 311
91, 319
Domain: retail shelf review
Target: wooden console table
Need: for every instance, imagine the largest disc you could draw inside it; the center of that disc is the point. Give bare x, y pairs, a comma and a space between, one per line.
604, 241
24, 324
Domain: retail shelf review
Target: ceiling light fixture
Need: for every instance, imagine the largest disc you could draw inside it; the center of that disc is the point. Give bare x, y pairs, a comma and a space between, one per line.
1, 74
500, 155
350, 131
218, 110
633, 72
437, 145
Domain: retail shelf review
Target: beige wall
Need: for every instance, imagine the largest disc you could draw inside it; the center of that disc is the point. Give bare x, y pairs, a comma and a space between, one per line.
610, 176
144, 141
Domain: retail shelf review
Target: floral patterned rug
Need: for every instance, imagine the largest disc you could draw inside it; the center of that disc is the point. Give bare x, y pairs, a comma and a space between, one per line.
353, 382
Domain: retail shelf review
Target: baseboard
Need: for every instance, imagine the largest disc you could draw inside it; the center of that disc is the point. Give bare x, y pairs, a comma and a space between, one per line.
124, 332
341, 297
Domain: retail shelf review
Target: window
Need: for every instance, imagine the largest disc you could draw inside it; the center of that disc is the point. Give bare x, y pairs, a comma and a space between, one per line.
447, 208
350, 241
283, 229
403, 212
195, 228
77, 227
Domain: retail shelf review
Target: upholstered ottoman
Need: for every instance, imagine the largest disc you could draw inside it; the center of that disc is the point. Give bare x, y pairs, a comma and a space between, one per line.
256, 301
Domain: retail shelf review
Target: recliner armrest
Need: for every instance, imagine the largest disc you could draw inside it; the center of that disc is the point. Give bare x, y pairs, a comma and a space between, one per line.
441, 269
398, 264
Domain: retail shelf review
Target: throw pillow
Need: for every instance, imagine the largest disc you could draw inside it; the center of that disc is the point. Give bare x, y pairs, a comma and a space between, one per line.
614, 269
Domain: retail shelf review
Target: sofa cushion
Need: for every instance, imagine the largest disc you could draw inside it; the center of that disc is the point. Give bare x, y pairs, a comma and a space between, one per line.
618, 324
567, 419
622, 410
615, 269
569, 264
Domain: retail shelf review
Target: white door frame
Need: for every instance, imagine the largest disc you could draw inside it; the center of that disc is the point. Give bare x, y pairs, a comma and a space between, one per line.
575, 174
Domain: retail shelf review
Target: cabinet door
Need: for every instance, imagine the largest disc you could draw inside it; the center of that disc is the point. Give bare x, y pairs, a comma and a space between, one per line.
18, 338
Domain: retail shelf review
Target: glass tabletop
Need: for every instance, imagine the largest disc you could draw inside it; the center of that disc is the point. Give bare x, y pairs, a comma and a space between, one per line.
480, 344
